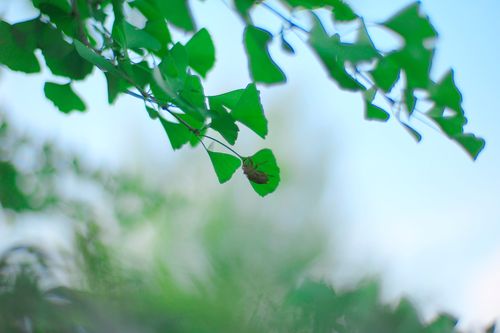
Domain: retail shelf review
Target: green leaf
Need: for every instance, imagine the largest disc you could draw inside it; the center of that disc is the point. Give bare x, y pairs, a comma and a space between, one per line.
411, 25
148, 8
174, 67
94, 58
193, 92
16, 57
386, 73
176, 12
201, 52
229, 99
63, 5
63, 97
471, 143
327, 49
243, 7
451, 126
342, 12
445, 93
262, 165
152, 113
225, 165
249, 111
61, 57
262, 67
137, 38
177, 133
115, 86
416, 62
223, 123
245, 107
410, 100
373, 112
158, 29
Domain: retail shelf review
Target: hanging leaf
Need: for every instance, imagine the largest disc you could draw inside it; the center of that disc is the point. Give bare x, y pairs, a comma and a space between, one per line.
386, 73
177, 133
245, 107
201, 52
374, 112
342, 12
471, 143
225, 165
445, 93
262, 67
139, 38
176, 12
327, 49
262, 171
16, 57
411, 25
223, 123
249, 111
63, 97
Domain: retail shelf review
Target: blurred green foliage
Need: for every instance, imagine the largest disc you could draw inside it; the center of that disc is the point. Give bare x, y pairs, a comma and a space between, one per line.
254, 279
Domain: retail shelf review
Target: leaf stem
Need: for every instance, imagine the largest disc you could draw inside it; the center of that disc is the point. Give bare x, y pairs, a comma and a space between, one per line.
223, 144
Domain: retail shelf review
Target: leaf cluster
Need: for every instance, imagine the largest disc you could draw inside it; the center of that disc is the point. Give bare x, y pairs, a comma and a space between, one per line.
144, 61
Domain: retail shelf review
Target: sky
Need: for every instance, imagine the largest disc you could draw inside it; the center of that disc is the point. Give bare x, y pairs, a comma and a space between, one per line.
422, 217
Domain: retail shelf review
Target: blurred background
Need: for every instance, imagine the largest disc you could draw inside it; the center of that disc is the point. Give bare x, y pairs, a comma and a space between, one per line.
358, 201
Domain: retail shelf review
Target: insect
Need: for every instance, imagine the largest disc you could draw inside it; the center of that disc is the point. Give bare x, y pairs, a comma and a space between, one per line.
254, 175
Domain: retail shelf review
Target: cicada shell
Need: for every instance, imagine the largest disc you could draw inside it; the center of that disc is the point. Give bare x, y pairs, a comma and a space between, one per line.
254, 175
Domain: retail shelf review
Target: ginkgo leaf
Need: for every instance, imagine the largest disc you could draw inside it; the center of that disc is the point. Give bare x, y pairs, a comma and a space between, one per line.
471, 143
411, 24
178, 134
13, 55
262, 67
63, 97
245, 107
342, 11
262, 171
445, 93
177, 12
327, 49
201, 52
374, 112
225, 165
223, 123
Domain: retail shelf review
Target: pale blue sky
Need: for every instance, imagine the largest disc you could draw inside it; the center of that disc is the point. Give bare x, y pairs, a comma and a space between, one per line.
423, 216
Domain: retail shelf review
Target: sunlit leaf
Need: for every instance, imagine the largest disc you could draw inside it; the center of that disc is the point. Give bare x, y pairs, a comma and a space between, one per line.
225, 165
445, 93
262, 171
327, 49
262, 67
411, 25
201, 52
178, 134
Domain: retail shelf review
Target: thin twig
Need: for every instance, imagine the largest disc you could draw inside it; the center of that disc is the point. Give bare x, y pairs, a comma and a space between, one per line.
288, 20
